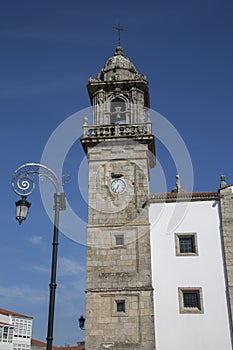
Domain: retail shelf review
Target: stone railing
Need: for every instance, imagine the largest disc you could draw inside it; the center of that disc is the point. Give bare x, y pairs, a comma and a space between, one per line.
117, 130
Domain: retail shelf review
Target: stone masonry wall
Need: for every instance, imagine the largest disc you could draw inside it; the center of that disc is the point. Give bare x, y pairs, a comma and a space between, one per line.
119, 272
226, 202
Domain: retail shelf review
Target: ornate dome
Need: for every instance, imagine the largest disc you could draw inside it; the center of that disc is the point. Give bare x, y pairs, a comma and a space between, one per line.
118, 67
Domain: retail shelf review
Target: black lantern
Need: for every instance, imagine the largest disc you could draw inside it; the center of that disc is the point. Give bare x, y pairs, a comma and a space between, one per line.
22, 207
81, 322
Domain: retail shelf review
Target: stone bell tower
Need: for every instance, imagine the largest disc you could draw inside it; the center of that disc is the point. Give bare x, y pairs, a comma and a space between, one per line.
120, 150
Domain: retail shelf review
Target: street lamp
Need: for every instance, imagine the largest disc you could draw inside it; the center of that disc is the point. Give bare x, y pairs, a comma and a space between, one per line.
22, 207
23, 184
81, 322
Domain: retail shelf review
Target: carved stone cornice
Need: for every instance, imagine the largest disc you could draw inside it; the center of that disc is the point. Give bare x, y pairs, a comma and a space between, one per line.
117, 290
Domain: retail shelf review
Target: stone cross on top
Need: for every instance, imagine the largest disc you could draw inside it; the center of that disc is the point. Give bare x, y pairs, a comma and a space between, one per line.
119, 29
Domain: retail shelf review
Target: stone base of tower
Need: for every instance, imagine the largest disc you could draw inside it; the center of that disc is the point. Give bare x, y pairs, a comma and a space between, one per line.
107, 328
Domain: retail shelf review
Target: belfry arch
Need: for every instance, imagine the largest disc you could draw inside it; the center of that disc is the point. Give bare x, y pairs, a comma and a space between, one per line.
118, 113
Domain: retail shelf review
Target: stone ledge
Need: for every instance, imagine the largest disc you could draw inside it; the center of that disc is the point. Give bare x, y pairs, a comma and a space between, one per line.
117, 290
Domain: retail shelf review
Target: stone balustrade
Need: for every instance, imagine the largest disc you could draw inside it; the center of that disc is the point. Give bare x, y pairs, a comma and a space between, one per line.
117, 130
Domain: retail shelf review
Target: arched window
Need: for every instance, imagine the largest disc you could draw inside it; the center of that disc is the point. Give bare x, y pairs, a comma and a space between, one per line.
118, 111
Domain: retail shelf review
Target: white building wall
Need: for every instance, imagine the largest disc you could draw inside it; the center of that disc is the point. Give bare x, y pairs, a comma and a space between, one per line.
21, 335
6, 346
5, 318
209, 330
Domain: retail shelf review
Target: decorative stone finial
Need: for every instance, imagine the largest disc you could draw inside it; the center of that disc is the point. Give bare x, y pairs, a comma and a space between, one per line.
119, 51
85, 123
178, 187
148, 116
222, 181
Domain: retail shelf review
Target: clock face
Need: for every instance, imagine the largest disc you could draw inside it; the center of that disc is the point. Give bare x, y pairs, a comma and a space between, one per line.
118, 185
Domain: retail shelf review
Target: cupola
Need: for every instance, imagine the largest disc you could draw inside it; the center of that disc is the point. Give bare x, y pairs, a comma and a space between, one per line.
118, 67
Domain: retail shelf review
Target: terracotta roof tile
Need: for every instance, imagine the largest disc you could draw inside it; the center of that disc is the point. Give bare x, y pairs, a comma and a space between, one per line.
12, 313
183, 197
6, 324
41, 343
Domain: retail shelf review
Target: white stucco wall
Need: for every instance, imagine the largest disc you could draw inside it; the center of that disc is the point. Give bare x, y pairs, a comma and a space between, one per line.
3, 345
5, 318
6, 346
174, 330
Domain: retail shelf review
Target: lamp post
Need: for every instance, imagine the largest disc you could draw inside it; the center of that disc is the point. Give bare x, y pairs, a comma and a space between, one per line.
23, 184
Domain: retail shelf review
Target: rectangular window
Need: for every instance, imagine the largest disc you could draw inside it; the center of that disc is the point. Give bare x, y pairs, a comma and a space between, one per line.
119, 239
120, 305
6, 334
22, 327
186, 244
10, 335
190, 300
21, 347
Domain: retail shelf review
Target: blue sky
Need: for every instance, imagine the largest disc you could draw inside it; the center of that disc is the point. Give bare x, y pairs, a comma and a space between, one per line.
48, 51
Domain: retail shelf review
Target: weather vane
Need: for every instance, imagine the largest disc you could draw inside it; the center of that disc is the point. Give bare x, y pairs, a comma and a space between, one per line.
119, 29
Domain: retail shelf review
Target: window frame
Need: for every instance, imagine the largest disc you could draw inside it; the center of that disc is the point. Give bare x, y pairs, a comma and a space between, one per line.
121, 237
6, 334
22, 327
190, 310
117, 300
185, 235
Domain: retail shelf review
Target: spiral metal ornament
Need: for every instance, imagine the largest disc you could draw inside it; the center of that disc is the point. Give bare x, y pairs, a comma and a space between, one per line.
25, 185
23, 180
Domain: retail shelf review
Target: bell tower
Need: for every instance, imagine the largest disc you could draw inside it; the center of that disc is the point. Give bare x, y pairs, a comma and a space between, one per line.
120, 149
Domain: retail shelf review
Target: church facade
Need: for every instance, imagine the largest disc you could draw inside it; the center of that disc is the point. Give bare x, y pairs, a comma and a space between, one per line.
156, 278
